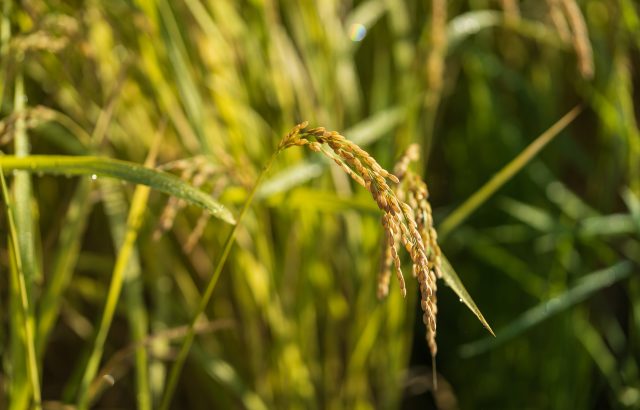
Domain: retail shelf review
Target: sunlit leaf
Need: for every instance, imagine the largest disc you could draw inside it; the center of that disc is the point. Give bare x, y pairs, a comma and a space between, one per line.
112, 168
467, 24
451, 278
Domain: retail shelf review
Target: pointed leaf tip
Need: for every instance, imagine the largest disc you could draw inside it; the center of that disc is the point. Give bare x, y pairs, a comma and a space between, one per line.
452, 279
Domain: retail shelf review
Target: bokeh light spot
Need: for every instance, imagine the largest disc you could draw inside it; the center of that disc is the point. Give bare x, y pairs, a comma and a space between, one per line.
357, 32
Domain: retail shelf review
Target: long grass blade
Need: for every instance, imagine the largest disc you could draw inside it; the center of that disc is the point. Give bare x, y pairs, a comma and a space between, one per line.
505, 174
24, 221
470, 23
116, 208
69, 248
586, 287
176, 369
127, 171
136, 214
18, 277
222, 372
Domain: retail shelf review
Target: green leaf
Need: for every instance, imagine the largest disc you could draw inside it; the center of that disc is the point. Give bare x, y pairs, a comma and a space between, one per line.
376, 126
532, 216
289, 178
451, 278
467, 24
123, 170
608, 225
505, 174
224, 374
585, 287
470, 23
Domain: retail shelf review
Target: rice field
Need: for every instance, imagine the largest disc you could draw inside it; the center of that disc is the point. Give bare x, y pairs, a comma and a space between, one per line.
361, 204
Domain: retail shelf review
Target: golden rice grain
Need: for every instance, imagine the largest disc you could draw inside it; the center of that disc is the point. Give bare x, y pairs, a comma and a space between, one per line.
399, 219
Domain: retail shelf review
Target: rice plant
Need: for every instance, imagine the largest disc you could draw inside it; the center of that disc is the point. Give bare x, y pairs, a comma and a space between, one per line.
171, 239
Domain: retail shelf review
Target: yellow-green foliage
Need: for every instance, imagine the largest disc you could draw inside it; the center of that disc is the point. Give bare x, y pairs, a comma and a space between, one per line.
117, 295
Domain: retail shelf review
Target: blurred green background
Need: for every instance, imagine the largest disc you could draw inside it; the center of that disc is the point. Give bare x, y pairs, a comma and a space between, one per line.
551, 258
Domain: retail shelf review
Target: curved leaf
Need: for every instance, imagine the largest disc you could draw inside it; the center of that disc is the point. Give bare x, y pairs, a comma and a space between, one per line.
470, 23
123, 170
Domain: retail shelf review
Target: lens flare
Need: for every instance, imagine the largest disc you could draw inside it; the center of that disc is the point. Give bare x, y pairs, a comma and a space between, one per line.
357, 32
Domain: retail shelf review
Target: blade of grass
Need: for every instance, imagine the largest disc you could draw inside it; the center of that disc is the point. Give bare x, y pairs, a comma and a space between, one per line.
68, 249
222, 372
181, 65
74, 224
151, 63
206, 296
5, 37
530, 215
123, 260
467, 24
505, 174
289, 178
608, 225
115, 207
452, 279
18, 277
112, 168
24, 223
585, 287
597, 348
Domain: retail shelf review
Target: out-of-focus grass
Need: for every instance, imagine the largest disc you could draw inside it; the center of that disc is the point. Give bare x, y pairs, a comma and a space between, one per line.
230, 78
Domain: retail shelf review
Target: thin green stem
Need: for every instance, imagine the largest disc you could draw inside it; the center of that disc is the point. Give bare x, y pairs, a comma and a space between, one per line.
138, 205
18, 277
62, 265
204, 301
126, 259
24, 224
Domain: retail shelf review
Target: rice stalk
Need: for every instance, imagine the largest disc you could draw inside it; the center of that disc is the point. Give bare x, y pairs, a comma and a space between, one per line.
26, 226
558, 20
511, 11
115, 206
134, 221
435, 70
54, 35
580, 38
398, 220
25, 316
75, 219
206, 296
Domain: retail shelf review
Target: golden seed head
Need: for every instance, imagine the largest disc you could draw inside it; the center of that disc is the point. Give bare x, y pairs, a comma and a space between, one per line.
408, 223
